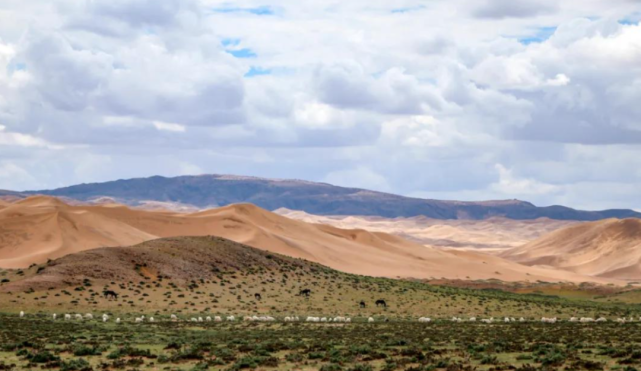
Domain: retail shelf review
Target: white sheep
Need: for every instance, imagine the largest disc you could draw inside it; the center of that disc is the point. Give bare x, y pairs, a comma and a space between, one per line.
174, 318
151, 319
208, 319
601, 319
55, 316
472, 319
231, 318
586, 319
424, 319
347, 320
79, 317
574, 319
370, 320
521, 319
117, 320
88, 316
139, 319
324, 319
193, 319
21, 314
218, 319
67, 317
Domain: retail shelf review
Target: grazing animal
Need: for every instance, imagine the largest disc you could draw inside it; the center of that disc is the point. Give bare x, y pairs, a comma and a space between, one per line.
151, 319
305, 292
424, 319
601, 319
67, 317
110, 294
79, 317
105, 317
208, 319
381, 303
200, 319
194, 319
54, 316
88, 316
257, 296
362, 304
231, 318
370, 320
139, 319
174, 318
472, 319
117, 320
21, 314
218, 319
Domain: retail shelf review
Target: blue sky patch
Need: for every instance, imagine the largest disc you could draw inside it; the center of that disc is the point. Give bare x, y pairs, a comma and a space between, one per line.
540, 36
407, 9
258, 71
230, 42
242, 53
260, 10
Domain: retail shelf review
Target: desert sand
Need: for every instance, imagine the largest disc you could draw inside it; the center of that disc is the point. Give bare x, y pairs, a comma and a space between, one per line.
606, 248
39, 228
490, 235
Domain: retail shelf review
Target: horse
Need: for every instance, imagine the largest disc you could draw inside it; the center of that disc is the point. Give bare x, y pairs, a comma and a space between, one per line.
305, 292
362, 304
381, 303
110, 293
257, 296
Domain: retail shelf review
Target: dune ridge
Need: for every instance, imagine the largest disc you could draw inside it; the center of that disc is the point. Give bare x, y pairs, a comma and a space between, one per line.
607, 248
41, 228
491, 235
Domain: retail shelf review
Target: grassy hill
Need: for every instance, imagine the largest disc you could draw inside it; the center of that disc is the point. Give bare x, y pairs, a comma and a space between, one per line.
191, 275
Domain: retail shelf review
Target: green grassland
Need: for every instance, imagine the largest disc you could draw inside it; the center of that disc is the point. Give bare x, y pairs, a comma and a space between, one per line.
38, 342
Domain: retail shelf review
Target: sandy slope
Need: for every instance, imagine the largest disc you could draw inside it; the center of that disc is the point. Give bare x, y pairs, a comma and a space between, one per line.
40, 228
491, 235
606, 248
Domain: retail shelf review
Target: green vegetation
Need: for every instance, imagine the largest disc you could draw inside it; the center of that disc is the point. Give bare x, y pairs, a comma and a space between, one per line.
41, 343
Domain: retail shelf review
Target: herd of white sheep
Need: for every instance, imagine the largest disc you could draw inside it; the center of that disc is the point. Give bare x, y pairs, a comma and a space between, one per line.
105, 318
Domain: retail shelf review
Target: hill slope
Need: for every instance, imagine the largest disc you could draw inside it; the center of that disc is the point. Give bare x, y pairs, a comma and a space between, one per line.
188, 275
40, 228
606, 248
316, 198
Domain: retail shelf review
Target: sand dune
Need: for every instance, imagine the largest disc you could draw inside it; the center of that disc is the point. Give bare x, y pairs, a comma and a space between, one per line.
490, 235
606, 248
40, 228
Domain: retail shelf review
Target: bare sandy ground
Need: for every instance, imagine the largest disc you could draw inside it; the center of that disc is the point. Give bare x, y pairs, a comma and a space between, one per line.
490, 236
606, 248
40, 228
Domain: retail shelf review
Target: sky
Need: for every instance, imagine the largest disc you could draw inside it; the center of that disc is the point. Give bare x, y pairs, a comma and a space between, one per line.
538, 100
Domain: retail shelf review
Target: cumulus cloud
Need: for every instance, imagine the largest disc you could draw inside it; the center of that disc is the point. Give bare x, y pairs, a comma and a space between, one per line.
455, 99
514, 8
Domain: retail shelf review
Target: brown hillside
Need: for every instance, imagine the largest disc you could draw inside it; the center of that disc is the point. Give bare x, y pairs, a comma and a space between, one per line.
41, 228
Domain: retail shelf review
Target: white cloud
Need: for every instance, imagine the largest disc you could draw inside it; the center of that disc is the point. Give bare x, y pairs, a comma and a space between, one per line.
408, 97
168, 126
510, 185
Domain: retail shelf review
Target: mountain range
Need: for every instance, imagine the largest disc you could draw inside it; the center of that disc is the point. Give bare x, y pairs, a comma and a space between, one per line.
207, 191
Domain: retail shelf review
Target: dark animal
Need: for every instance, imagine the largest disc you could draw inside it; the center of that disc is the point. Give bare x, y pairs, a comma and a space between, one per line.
110, 293
381, 303
305, 292
362, 304
257, 296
